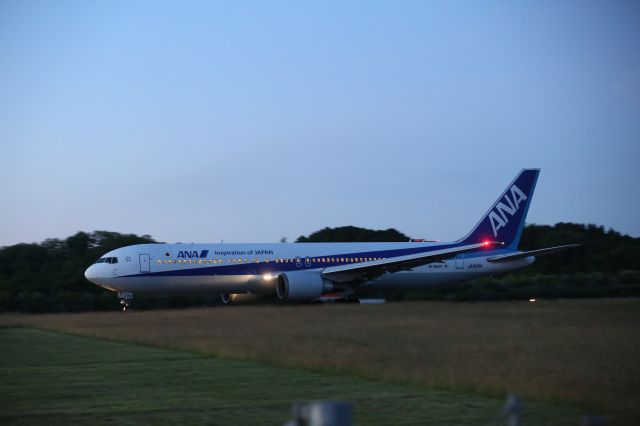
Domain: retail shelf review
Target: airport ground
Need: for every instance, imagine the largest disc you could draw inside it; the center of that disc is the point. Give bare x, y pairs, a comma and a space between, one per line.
402, 363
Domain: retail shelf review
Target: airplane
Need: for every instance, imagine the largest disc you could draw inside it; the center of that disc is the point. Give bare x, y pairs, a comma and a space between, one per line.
307, 272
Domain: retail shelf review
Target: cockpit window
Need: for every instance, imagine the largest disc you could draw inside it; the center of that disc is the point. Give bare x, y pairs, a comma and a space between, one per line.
107, 260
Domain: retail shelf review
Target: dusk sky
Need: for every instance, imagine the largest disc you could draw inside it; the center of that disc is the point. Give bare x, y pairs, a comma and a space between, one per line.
251, 121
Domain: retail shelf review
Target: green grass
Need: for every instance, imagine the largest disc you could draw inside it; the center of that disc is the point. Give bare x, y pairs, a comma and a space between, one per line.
570, 352
50, 378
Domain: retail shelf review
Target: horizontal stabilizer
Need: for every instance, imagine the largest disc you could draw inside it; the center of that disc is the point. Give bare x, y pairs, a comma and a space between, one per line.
522, 254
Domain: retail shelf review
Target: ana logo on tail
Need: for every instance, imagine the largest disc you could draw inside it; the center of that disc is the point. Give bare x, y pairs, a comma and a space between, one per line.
507, 207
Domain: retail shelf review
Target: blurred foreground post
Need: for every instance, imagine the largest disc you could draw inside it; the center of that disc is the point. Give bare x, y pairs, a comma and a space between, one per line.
321, 413
591, 420
512, 410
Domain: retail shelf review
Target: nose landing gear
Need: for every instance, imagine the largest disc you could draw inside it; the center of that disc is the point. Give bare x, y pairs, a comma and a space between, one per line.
126, 300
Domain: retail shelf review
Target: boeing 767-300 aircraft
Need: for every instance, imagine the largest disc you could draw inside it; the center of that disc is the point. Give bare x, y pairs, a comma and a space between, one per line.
315, 271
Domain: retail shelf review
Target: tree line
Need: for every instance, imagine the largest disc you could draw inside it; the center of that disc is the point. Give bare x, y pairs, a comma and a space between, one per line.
49, 277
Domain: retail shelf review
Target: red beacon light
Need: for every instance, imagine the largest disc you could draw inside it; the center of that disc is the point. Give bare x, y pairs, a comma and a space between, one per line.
489, 243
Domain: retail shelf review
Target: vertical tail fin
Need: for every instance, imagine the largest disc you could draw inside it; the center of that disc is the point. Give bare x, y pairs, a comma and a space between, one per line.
505, 219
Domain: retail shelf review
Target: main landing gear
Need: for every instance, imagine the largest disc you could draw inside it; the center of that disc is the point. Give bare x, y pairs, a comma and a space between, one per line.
126, 300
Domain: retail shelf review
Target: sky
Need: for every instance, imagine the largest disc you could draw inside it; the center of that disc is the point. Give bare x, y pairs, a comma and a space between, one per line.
251, 121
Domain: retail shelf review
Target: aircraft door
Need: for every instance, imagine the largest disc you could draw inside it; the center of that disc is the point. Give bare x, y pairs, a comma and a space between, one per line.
298, 262
460, 261
144, 263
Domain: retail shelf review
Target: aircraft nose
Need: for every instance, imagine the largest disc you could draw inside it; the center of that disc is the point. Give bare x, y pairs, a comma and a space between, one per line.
91, 273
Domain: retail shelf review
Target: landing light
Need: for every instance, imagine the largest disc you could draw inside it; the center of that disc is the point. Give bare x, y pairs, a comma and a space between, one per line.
532, 300
268, 277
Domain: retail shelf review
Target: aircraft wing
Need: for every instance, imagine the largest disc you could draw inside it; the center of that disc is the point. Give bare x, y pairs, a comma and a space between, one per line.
521, 254
365, 271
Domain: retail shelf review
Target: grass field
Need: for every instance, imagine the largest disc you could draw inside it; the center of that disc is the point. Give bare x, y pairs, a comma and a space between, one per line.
56, 379
583, 352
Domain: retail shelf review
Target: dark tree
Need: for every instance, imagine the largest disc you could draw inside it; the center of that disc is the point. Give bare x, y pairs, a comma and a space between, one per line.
346, 234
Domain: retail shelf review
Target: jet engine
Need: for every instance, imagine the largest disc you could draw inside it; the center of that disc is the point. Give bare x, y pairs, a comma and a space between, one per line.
302, 286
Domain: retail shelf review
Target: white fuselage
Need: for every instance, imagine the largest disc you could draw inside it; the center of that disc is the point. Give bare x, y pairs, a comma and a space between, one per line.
249, 268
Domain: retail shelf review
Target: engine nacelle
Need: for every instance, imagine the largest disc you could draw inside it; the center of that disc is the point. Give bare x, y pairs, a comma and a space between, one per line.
302, 286
239, 298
